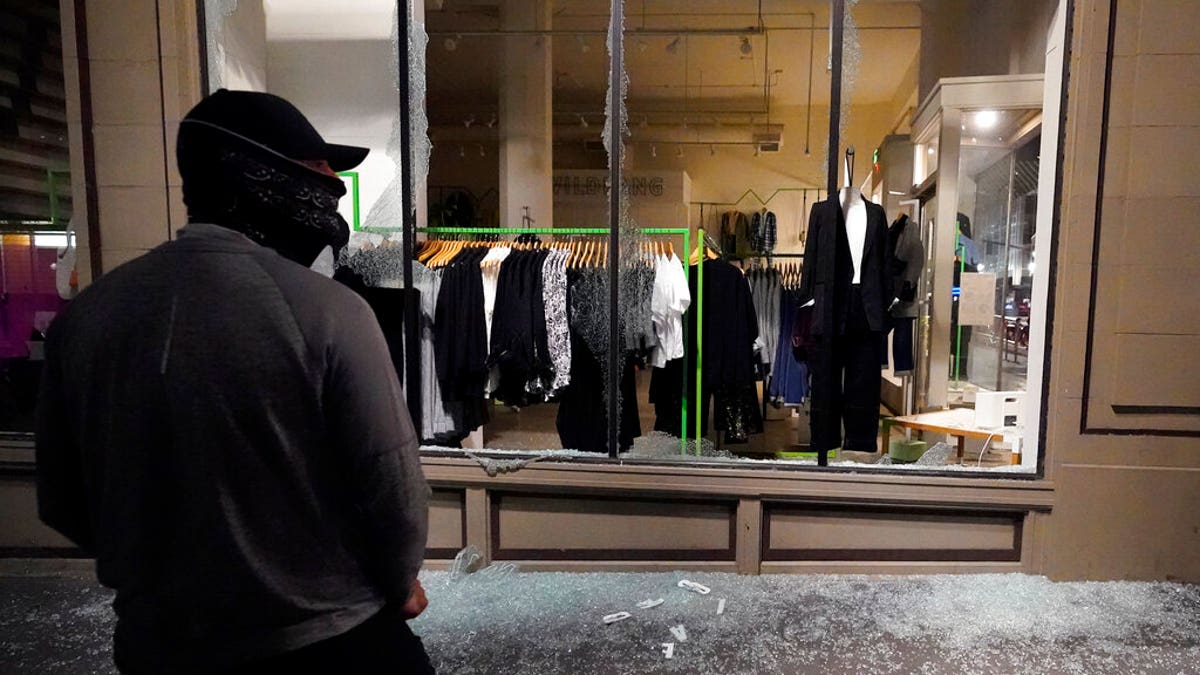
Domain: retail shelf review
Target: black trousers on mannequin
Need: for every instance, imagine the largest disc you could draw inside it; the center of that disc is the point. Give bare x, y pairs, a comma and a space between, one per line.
845, 384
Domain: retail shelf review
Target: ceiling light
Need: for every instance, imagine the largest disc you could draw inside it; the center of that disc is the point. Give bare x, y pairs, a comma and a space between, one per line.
673, 45
583, 122
746, 48
583, 45
653, 151
492, 122
986, 119
931, 149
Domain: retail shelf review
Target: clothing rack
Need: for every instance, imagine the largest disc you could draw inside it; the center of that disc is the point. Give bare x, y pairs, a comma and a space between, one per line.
585, 231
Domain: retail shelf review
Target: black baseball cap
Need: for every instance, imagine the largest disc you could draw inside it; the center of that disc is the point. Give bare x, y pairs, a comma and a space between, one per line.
275, 123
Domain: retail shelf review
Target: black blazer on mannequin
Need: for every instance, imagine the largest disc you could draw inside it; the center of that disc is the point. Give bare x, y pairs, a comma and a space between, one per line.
829, 268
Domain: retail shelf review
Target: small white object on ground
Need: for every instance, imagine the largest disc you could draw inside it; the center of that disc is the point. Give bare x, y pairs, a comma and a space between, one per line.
679, 632
694, 587
668, 649
619, 616
721, 606
647, 604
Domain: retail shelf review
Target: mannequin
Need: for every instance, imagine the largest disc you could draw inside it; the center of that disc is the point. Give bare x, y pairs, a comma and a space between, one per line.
846, 285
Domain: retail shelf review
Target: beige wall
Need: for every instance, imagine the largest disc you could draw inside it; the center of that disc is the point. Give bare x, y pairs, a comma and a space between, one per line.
1115, 504
143, 73
963, 38
1127, 502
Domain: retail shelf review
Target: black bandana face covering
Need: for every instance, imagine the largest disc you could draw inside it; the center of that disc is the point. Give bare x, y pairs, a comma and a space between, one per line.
292, 209
272, 200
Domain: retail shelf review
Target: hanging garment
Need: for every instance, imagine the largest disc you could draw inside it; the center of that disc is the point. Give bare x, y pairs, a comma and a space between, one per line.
765, 288
769, 235
735, 237
558, 331
730, 330
907, 264
514, 335
583, 408
670, 298
847, 324
789, 376
442, 422
492, 263
460, 337
541, 370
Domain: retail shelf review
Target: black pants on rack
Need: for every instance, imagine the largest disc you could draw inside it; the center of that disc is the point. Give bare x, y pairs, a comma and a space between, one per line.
845, 384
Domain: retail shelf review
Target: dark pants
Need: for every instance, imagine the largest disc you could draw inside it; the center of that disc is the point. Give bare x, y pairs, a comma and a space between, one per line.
381, 645
845, 384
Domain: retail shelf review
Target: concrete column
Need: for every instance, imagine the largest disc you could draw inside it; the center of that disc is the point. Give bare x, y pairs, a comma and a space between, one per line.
526, 122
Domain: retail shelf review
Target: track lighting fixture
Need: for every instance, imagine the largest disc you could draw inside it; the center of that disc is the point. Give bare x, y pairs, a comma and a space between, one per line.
679, 152
451, 43
746, 48
481, 152
653, 151
583, 45
469, 121
583, 122
492, 122
712, 151
673, 45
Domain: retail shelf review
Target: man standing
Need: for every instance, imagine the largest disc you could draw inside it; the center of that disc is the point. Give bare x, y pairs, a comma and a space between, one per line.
218, 424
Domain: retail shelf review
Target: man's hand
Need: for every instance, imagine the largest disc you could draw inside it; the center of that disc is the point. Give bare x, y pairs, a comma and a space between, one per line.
417, 602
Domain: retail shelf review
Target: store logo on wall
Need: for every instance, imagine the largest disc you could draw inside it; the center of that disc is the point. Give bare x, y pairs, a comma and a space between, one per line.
597, 186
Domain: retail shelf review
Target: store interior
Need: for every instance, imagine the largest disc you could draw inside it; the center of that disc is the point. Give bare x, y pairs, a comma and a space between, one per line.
728, 116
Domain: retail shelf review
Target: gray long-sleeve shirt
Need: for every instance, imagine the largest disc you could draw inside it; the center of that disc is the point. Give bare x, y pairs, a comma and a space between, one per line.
218, 425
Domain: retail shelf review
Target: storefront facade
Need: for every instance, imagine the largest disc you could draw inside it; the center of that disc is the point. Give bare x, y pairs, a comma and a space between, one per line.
1114, 480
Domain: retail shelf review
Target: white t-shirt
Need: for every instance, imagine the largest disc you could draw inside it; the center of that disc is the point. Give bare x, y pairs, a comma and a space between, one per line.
670, 299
